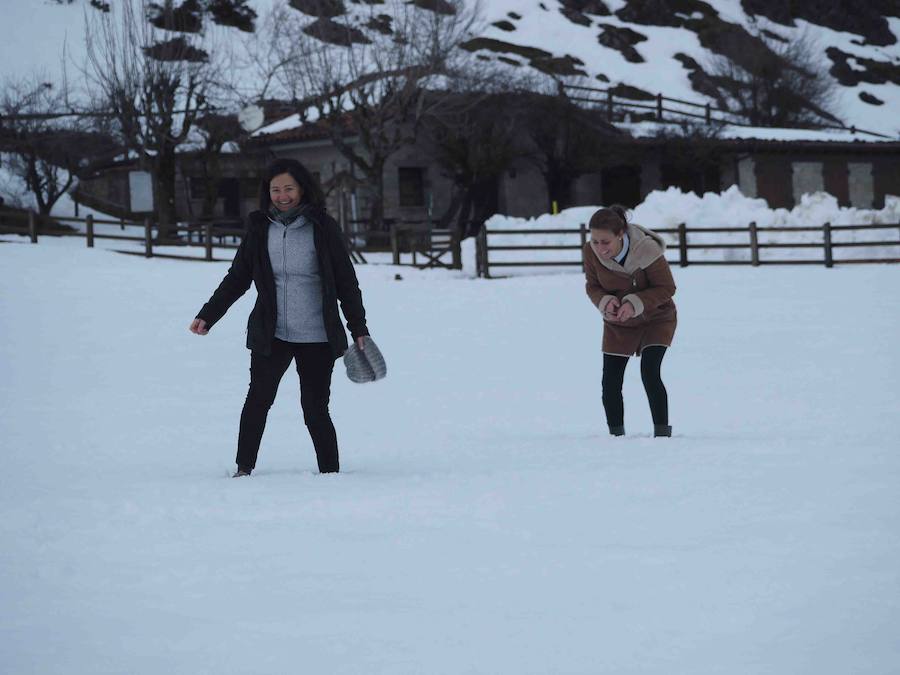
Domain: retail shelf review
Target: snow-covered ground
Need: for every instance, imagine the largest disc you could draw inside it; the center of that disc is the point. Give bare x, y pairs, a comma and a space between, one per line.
484, 523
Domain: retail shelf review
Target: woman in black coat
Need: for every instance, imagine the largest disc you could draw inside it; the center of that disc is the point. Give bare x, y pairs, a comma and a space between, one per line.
296, 255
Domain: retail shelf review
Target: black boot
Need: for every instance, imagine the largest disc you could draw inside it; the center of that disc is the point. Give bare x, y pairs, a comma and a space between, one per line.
617, 431
662, 430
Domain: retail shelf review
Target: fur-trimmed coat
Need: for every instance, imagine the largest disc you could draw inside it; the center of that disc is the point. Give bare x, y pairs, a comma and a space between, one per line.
643, 279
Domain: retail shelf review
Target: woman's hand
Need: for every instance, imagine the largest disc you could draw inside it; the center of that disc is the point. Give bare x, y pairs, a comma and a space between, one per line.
626, 311
611, 309
198, 327
361, 343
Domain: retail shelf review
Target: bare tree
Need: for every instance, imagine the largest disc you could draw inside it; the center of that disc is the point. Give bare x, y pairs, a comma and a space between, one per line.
216, 130
477, 135
39, 145
779, 83
156, 81
370, 89
567, 140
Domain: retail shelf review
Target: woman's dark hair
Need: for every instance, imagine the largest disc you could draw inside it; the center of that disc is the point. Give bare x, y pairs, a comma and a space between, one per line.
312, 193
612, 219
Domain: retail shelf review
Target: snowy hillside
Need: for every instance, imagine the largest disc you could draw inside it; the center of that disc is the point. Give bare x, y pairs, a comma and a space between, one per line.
485, 524
658, 47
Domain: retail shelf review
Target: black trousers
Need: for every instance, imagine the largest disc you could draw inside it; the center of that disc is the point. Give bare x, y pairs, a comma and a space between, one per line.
315, 364
613, 376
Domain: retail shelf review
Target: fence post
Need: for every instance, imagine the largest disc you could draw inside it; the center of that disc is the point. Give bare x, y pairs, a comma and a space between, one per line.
659, 108
207, 239
708, 114
829, 256
754, 245
148, 243
479, 272
682, 245
89, 225
609, 105
395, 245
481, 248
32, 227
456, 252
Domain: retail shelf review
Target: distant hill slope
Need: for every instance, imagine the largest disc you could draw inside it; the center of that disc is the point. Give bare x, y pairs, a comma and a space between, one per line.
654, 46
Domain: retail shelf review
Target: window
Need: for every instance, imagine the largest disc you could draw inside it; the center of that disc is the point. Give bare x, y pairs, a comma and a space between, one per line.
412, 186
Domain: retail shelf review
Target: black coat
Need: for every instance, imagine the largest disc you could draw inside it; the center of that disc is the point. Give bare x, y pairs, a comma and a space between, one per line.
251, 264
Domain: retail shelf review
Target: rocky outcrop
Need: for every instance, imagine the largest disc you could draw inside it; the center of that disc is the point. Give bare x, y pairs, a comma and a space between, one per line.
622, 40
436, 6
381, 23
537, 58
327, 9
334, 33
866, 97
866, 70
665, 12
176, 49
851, 16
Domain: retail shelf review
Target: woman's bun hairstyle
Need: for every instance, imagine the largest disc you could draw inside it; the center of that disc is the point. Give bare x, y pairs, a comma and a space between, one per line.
613, 219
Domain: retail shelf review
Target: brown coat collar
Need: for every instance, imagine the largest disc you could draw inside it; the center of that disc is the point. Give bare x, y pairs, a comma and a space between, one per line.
645, 247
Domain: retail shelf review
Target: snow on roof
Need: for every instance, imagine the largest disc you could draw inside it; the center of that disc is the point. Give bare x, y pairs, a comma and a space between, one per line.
733, 132
285, 124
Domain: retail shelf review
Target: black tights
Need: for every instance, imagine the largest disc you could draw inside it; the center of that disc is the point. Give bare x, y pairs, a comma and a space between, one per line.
613, 376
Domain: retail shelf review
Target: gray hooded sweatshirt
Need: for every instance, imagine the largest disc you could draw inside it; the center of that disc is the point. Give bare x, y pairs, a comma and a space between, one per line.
298, 283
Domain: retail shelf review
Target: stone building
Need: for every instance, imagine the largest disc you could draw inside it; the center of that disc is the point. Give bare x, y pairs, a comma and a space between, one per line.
416, 189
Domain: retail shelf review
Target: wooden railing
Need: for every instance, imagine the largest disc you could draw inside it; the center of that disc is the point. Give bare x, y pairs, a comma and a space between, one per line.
442, 249
679, 249
206, 235
661, 112
426, 246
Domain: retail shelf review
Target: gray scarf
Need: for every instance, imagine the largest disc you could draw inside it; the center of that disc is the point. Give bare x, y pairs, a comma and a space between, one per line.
289, 216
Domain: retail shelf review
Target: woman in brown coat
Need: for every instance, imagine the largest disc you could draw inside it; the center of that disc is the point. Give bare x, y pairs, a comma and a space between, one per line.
629, 281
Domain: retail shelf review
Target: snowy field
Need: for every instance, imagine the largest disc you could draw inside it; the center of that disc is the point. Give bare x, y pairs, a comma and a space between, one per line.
485, 523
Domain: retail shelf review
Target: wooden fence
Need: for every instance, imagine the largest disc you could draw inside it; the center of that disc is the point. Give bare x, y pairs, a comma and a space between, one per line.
425, 245
683, 246
207, 235
660, 109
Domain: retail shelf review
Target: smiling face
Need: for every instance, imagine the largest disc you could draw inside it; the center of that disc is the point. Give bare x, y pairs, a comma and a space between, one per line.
606, 243
284, 192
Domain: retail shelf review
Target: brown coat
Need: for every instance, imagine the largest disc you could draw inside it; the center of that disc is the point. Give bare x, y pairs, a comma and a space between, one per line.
645, 280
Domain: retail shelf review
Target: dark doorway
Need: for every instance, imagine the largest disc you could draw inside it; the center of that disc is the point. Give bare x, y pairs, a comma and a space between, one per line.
775, 182
230, 192
412, 186
621, 185
697, 179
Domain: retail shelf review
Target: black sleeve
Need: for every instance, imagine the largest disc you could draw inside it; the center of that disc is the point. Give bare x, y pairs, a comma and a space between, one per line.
233, 286
347, 285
